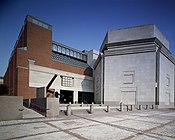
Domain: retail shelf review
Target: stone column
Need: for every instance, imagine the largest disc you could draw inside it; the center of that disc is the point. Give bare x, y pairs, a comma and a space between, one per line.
140, 107
108, 108
68, 110
91, 109
121, 106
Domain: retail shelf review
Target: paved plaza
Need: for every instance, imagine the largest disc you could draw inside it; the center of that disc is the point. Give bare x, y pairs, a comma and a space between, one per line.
131, 125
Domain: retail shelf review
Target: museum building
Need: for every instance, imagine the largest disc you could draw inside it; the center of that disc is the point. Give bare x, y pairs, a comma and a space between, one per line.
37, 61
135, 66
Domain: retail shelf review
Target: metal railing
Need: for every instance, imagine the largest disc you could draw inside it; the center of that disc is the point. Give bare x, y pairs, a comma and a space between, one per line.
37, 108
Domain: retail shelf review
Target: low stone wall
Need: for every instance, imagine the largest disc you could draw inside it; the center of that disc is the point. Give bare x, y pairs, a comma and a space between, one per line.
52, 107
11, 107
48, 107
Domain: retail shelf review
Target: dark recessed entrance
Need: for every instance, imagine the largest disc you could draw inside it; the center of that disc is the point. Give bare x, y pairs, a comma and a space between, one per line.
85, 97
66, 96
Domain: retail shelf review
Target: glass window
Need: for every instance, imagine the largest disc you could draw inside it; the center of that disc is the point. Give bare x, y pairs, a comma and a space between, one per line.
75, 54
84, 57
59, 49
63, 50
54, 47
67, 81
34, 21
45, 26
81, 56
40, 23
67, 51
78, 55
71, 53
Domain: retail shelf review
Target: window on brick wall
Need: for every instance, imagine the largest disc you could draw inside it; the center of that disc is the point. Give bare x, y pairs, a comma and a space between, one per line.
31, 62
63, 50
67, 81
54, 47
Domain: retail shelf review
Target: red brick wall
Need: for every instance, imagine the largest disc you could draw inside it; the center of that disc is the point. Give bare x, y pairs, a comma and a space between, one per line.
38, 41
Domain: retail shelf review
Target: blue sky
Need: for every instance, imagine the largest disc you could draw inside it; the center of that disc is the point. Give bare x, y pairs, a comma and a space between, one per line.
82, 24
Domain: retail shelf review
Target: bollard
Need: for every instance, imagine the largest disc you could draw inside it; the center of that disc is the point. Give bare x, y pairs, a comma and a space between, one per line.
108, 108
127, 108
81, 103
140, 107
91, 109
68, 110
121, 106
152, 106
131, 107
146, 106
69, 103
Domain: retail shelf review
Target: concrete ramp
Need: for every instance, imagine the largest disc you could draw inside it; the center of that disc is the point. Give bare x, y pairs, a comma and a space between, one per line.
29, 113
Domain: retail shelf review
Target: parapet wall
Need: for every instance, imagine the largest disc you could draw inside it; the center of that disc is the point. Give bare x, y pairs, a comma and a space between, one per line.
11, 107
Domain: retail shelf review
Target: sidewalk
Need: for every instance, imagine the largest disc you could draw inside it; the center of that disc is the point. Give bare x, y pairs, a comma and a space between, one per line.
135, 125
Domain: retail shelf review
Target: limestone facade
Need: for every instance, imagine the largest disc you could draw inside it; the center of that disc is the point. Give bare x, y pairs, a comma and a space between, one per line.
135, 66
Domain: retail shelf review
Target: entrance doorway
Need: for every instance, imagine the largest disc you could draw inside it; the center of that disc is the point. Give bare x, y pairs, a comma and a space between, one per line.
85, 97
66, 96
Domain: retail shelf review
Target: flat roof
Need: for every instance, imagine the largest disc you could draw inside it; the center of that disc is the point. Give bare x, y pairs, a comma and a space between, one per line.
135, 33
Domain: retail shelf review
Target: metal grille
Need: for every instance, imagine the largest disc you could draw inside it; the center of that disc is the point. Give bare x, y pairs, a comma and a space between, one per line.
67, 81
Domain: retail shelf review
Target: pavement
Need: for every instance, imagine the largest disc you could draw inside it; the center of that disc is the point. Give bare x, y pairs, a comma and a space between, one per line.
128, 125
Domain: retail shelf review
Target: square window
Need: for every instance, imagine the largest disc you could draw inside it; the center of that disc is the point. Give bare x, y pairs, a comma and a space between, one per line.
84, 57
54, 47
31, 62
63, 50
128, 77
59, 49
71, 53
81, 56
78, 55
67, 51
67, 81
75, 54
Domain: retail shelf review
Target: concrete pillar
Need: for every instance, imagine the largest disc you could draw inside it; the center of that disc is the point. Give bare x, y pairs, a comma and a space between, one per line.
91, 109
140, 107
121, 106
108, 108
68, 110
53, 107
75, 96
